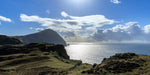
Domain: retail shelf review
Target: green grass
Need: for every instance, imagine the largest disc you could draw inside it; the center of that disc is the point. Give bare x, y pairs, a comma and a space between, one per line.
37, 62
106, 66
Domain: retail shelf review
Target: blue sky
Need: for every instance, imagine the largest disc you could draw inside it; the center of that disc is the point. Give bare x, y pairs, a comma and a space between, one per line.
120, 12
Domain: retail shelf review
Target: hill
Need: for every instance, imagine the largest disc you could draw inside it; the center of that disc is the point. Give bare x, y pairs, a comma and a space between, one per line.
47, 35
38, 59
7, 40
122, 64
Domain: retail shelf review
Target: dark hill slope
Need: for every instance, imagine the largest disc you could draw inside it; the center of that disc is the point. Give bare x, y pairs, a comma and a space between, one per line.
7, 40
47, 35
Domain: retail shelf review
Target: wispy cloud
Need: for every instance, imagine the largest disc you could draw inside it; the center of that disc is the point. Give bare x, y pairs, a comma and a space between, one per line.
115, 1
37, 29
47, 11
2, 18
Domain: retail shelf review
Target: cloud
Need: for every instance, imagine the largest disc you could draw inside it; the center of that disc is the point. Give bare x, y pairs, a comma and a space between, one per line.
95, 20
131, 31
115, 1
64, 14
37, 29
31, 28
79, 26
5, 19
89, 28
58, 25
47, 11
147, 29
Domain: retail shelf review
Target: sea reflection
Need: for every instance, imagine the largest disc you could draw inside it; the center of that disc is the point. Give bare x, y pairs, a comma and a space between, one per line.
88, 52
95, 53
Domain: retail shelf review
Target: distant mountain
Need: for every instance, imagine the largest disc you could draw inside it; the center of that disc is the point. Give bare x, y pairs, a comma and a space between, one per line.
7, 40
47, 35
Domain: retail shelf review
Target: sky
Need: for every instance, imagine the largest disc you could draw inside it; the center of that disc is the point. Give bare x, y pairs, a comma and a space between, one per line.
78, 20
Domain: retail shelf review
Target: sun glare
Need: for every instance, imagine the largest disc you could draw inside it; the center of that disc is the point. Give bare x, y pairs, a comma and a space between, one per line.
79, 2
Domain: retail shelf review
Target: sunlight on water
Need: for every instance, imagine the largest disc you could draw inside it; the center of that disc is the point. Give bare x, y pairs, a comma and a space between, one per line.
95, 53
87, 54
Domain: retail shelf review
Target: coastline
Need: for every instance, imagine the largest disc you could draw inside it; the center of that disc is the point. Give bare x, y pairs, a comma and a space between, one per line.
50, 59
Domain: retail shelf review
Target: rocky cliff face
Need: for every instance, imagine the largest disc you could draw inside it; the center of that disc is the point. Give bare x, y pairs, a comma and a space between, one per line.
7, 40
47, 35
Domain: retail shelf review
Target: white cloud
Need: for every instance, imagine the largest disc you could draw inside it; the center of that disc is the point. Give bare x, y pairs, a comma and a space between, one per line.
115, 1
64, 14
80, 26
95, 20
5, 19
147, 29
86, 28
39, 29
131, 31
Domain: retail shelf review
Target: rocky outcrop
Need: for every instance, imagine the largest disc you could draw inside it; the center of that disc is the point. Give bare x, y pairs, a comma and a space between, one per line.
7, 40
47, 35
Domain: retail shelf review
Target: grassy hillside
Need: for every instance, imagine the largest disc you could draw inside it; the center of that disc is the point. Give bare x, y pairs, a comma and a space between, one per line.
38, 59
122, 64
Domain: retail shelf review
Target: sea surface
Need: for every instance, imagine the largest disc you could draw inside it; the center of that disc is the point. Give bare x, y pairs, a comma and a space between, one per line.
94, 53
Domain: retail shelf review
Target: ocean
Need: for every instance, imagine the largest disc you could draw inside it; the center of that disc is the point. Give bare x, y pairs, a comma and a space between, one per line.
94, 53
